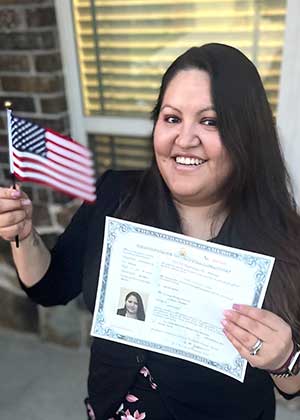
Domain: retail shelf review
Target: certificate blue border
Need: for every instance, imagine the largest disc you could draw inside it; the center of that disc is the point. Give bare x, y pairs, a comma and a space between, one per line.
115, 228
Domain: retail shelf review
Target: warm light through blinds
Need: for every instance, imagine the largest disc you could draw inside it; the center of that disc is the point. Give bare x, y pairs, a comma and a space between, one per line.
120, 152
124, 46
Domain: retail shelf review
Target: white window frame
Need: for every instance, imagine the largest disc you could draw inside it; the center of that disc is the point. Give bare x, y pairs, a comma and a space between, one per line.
288, 118
81, 125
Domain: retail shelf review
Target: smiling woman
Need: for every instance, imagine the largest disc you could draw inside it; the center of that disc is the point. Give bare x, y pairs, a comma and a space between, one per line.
188, 149
133, 307
217, 174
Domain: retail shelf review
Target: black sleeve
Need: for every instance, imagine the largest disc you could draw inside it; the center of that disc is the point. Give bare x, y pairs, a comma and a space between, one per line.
63, 279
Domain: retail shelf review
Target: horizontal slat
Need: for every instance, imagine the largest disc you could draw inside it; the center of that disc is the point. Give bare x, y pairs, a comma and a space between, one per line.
132, 163
267, 27
132, 141
137, 40
177, 15
121, 152
127, 108
174, 16
145, 84
130, 3
133, 96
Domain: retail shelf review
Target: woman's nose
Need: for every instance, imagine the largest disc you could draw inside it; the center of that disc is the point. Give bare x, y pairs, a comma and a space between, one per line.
187, 136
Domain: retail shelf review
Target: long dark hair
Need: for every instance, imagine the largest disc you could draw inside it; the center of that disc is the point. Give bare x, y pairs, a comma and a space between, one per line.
258, 192
140, 306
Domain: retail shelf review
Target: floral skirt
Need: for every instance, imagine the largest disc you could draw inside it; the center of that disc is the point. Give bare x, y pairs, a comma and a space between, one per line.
142, 402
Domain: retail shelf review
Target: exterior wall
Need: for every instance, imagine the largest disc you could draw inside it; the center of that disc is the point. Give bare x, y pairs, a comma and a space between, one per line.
289, 104
31, 77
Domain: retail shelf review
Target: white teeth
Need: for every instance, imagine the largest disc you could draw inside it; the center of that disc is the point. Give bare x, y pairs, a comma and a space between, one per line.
189, 161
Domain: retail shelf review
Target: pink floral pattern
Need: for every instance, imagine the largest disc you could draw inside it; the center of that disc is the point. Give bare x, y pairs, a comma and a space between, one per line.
131, 398
145, 372
128, 409
90, 412
136, 415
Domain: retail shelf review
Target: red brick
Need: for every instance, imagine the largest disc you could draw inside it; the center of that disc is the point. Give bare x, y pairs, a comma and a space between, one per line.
43, 84
18, 312
61, 198
3, 121
48, 62
24, 2
10, 19
3, 141
19, 103
3, 155
53, 105
14, 63
61, 124
28, 40
41, 215
40, 17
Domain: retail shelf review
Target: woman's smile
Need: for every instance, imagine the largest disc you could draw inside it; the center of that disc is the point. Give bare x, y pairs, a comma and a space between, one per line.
188, 162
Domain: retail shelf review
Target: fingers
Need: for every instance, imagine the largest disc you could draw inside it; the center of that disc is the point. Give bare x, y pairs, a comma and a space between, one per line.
11, 205
255, 361
15, 213
11, 193
246, 327
245, 338
12, 217
241, 348
267, 318
10, 232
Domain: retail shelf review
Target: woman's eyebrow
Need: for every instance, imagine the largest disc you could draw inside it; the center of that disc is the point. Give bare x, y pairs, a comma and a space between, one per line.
207, 108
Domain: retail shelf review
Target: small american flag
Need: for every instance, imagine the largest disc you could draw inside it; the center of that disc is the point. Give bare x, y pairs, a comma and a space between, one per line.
49, 158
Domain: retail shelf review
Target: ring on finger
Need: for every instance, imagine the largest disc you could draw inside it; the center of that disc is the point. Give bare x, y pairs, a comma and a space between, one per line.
257, 346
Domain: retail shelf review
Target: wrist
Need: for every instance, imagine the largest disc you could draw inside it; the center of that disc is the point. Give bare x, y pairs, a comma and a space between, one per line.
24, 237
292, 365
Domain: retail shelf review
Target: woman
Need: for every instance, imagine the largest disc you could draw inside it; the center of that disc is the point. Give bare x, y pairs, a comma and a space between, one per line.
133, 307
218, 175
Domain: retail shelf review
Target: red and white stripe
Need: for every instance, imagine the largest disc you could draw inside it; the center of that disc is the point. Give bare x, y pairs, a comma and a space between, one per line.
68, 167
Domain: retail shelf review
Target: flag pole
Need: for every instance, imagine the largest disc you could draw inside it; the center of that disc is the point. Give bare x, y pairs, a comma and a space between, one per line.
8, 105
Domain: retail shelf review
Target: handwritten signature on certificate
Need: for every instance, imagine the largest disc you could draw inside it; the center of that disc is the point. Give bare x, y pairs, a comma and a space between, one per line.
182, 285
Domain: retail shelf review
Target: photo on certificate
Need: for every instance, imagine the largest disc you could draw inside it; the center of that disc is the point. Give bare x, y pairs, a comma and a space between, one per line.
166, 292
134, 304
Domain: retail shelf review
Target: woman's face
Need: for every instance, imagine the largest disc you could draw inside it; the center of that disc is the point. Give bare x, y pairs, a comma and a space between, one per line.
187, 144
131, 305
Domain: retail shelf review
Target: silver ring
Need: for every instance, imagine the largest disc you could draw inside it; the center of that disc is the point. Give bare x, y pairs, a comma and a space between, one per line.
257, 346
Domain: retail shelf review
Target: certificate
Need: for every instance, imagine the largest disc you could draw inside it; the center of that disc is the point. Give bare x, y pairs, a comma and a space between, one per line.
184, 284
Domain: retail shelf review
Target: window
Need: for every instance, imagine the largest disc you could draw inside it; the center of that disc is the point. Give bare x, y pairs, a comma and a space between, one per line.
124, 46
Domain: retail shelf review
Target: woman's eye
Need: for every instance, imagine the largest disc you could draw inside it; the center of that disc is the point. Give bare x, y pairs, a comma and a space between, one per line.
211, 122
172, 119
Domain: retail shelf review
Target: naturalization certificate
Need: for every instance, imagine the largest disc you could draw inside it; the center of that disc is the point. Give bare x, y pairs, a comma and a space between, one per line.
183, 285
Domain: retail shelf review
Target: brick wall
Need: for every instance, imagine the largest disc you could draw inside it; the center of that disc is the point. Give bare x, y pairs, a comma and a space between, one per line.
31, 74
31, 77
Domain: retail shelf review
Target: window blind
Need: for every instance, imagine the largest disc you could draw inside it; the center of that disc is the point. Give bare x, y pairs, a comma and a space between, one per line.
124, 46
120, 152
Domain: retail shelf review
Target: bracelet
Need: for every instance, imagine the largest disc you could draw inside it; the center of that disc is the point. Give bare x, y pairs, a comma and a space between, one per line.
291, 367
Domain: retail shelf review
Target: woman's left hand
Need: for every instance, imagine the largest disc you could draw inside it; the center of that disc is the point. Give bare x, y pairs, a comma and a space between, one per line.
244, 325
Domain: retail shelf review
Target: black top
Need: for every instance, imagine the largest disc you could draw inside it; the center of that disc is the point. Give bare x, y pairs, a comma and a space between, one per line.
189, 390
121, 311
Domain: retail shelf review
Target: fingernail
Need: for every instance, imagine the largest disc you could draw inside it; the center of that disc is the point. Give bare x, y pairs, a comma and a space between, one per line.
236, 306
25, 202
15, 193
224, 322
227, 312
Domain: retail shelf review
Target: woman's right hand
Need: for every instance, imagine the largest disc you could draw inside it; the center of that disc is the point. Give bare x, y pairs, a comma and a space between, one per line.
15, 214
